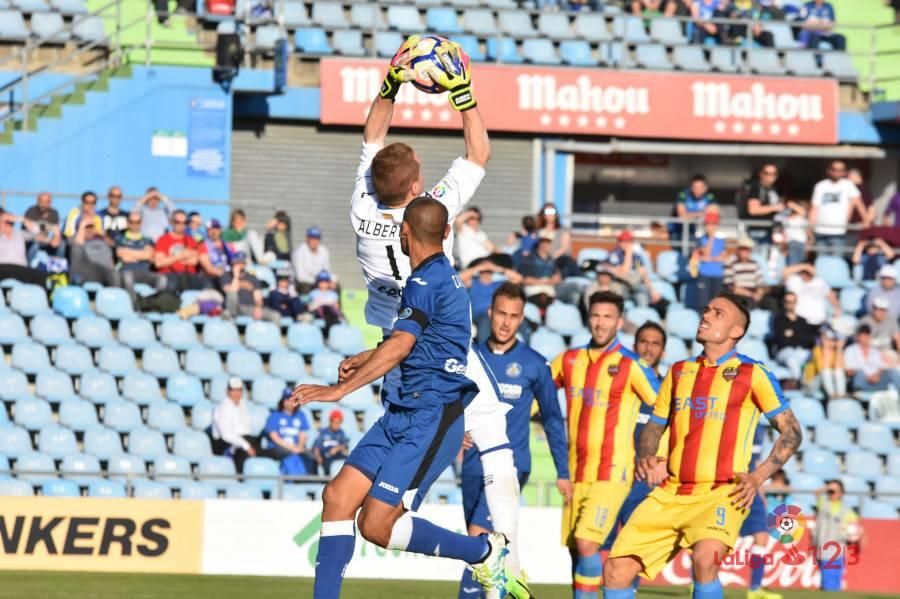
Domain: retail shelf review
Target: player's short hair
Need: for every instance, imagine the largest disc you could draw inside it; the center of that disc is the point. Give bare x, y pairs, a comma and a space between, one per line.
394, 169
607, 297
510, 291
427, 219
88, 194
739, 302
651, 326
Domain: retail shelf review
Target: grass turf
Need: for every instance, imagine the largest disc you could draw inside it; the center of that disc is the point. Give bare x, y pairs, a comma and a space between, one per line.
68, 585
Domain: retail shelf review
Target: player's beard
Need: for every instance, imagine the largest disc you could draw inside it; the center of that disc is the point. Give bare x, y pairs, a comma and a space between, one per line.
607, 337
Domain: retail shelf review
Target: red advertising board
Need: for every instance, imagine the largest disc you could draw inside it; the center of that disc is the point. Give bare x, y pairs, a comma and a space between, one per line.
548, 100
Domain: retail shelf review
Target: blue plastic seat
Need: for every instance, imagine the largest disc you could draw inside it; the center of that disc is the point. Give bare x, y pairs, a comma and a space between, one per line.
639, 315
555, 26
14, 441
346, 339
325, 366
146, 443
69, 7
30, 357
305, 338
118, 360
47, 329
630, 28
834, 271
113, 303
265, 36
592, 27
35, 467
124, 464
106, 488
563, 318
302, 492
547, 343
348, 42
864, 464
366, 16
689, 58
77, 414
442, 20
503, 50
471, 46
808, 411
329, 15
286, 365
216, 470
165, 416
57, 441
820, 462
653, 56
12, 329
184, 389
516, 24
160, 361
893, 462
32, 413
102, 442
725, 60
876, 437
386, 42
171, 470
885, 485
846, 411
202, 415
836, 437
676, 350
242, 491
878, 510
852, 299
202, 362
71, 302
98, 387
136, 333
294, 15
178, 334
191, 444
577, 53
839, 65
258, 466
760, 324
79, 467
312, 40
221, 335
260, 414
802, 63
852, 484
151, 489
27, 300
539, 51
60, 488
13, 487
90, 30
193, 489
218, 387
74, 359
669, 265
782, 35
244, 363
93, 331
667, 31
122, 416
405, 19
267, 390
682, 323
480, 22
264, 337
764, 61
141, 388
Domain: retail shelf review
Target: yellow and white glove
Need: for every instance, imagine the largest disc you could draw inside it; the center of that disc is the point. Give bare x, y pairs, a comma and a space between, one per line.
459, 84
399, 71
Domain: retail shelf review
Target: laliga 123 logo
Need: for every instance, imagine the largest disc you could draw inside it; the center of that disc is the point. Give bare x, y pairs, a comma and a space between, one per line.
786, 524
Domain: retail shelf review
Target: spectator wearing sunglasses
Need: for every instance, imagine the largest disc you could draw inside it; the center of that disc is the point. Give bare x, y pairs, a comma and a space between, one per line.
134, 252
87, 210
177, 256
115, 219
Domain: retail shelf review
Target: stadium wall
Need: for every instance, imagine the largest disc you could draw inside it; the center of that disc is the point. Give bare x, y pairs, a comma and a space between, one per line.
280, 538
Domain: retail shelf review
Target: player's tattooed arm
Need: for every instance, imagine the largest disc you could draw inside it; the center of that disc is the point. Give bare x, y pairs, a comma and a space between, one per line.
790, 435
648, 444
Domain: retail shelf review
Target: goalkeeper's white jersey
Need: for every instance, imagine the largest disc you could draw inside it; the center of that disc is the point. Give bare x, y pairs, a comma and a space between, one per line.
377, 229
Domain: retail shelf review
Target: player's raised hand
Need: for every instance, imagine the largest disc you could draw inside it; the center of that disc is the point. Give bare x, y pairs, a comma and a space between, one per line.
644, 467
399, 71
746, 490
565, 489
305, 394
456, 75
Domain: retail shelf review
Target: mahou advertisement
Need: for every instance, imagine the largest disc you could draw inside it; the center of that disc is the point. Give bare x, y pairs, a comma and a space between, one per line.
649, 104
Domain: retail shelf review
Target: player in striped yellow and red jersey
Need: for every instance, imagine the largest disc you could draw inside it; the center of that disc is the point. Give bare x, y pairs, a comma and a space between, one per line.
710, 407
605, 384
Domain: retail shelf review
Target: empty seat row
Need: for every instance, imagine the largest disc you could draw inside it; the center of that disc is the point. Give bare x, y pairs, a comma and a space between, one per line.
50, 26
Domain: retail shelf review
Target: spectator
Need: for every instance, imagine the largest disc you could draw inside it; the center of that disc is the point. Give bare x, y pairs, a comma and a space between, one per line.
332, 443
750, 10
818, 26
604, 281
887, 288
115, 220
561, 245
742, 274
92, 258
156, 210
778, 488
523, 240
232, 425
195, 227
481, 282
654, 7
286, 431
309, 259
708, 262
855, 176
324, 301
833, 201
872, 254
703, 12
793, 338
885, 330
177, 255
692, 204
218, 252
540, 273
472, 242
243, 239
42, 229
813, 293
284, 298
866, 365
828, 364
135, 254
87, 210
13, 264
626, 263
795, 228
760, 201
243, 295
278, 237
891, 215
835, 523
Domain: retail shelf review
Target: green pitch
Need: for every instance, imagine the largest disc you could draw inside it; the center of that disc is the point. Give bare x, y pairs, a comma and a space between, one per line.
63, 585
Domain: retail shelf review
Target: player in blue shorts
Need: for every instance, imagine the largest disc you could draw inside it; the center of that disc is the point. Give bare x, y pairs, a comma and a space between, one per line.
522, 376
394, 464
755, 525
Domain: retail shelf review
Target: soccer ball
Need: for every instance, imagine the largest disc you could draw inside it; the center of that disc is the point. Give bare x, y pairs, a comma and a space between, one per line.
424, 57
786, 525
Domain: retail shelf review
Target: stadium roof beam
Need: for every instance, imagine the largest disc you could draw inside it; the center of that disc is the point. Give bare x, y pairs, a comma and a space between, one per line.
628, 146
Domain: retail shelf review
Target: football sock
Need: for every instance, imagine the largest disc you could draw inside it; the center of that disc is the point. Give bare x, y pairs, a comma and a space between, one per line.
618, 593
757, 566
707, 590
469, 588
429, 539
587, 576
501, 491
336, 543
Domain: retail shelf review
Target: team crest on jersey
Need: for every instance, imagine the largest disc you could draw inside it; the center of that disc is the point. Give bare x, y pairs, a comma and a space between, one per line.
613, 369
730, 373
439, 191
514, 370
405, 313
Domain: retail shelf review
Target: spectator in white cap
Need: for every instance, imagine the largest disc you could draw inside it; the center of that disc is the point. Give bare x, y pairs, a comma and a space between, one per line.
887, 289
231, 428
309, 259
885, 330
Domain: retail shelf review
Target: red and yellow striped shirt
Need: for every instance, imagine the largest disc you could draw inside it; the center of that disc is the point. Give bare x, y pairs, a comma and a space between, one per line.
711, 410
603, 395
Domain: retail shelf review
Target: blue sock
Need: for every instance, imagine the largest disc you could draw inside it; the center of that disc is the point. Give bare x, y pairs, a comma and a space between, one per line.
756, 574
430, 539
636, 584
609, 593
468, 588
707, 590
588, 571
336, 543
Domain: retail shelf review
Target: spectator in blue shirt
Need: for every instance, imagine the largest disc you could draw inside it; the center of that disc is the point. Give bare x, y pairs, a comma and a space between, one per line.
286, 432
818, 25
692, 204
627, 264
482, 279
332, 443
708, 262
540, 273
703, 11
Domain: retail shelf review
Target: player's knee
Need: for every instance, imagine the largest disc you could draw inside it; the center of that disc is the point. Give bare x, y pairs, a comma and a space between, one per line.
586, 548
619, 572
704, 565
337, 504
376, 530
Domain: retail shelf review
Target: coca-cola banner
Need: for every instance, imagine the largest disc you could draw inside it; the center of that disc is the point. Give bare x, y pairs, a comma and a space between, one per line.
546, 100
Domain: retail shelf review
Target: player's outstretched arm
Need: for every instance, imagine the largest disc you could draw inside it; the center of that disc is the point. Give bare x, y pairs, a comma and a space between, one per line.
379, 121
790, 435
478, 144
648, 445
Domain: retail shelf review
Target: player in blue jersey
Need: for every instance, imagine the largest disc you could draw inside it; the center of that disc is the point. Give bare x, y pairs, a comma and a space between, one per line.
755, 525
394, 464
522, 376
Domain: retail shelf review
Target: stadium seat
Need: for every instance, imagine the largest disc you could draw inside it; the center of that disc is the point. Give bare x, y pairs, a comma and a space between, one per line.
14, 441
893, 462
653, 56
348, 42
876, 437
555, 26
480, 22
346, 339
242, 491
27, 300
191, 444
30, 357
802, 63
221, 335
516, 24
113, 303
56, 441
852, 299
888, 485
852, 484
98, 387
263, 337
386, 42
122, 465
682, 323
180, 335
202, 362
79, 467
59, 488
878, 510
201, 415
106, 488
563, 318
12, 329
71, 302
782, 35
754, 349
329, 15
592, 27
260, 414
93, 331
160, 361
73, 359
630, 28
218, 387
725, 60
311, 40
141, 388
442, 20
301, 492
820, 462
122, 416
404, 19
667, 31
846, 411
267, 390
503, 50
136, 333
547, 343
305, 338
146, 443
35, 467
171, 470
31, 413
150, 489
244, 364
184, 389
117, 360
69, 7
839, 65
638, 316
13, 488
764, 61
580, 339
258, 466
577, 53
760, 324
689, 58
836, 437
47, 329
834, 271
216, 470
77, 414
90, 30
102, 442
863, 463
325, 366
286, 365
676, 350
165, 416
265, 37
193, 489
669, 265
366, 16
808, 411
539, 51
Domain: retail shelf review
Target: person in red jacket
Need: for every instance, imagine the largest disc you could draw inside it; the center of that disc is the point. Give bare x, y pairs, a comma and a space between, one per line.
177, 255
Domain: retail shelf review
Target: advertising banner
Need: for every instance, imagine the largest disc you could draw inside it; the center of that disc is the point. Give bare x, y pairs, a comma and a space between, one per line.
555, 100
102, 535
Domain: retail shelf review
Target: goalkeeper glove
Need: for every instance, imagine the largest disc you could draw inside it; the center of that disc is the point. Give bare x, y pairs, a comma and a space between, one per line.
399, 73
455, 76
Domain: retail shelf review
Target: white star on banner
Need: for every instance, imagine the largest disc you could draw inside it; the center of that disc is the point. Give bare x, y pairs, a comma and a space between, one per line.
601, 121
546, 119
793, 129
756, 128
582, 121
619, 123
564, 120
444, 116
775, 129
720, 127
407, 114
738, 127
426, 115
